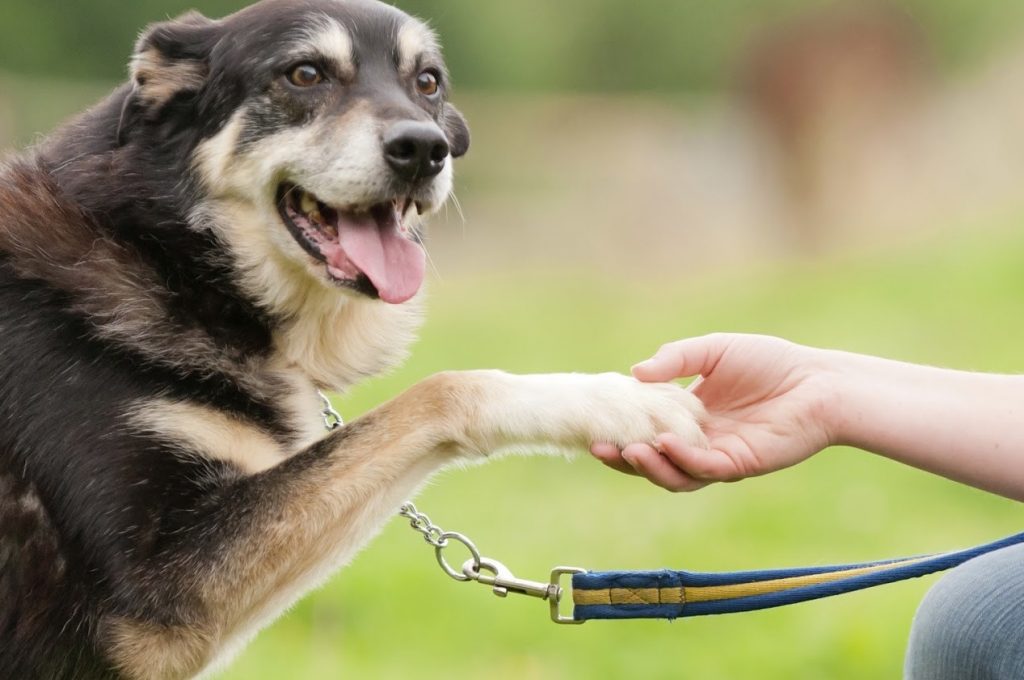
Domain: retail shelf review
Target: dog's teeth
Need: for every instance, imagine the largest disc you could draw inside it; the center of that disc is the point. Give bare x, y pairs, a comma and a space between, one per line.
315, 216
308, 204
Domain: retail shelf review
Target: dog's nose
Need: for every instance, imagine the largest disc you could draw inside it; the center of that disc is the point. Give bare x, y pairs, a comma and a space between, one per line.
416, 150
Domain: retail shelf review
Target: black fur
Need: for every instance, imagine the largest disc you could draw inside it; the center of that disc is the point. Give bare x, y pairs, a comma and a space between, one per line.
93, 516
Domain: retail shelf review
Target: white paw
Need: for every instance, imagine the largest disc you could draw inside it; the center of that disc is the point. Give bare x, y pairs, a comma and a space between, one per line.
572, 410
622, 410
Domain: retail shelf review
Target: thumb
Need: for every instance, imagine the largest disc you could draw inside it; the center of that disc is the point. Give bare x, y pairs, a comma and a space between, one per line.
682, 359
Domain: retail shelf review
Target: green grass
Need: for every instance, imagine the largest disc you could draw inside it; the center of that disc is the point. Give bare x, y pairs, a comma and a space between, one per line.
392, 614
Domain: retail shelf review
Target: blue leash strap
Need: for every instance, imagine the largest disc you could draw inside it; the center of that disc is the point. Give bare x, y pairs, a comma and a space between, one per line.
678, 594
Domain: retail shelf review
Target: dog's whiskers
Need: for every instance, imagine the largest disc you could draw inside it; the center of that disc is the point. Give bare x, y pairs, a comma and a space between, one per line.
289, 193
458, 208
430, 260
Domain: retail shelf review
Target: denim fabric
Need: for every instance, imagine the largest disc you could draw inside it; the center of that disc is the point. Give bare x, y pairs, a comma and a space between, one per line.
970, 626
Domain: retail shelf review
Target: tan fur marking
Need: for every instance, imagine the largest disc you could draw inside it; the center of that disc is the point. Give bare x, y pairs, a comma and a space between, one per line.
414, 39
159, 79
330, 39
210, 433
144, 651
213, 158
300, 402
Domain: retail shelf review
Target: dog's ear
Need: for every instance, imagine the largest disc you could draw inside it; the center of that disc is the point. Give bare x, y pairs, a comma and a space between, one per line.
457, 130
171, 60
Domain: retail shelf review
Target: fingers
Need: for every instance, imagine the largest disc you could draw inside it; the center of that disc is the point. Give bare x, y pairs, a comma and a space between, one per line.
707, 465
695, 356
610, 455
656, 468
677, 465
643, 461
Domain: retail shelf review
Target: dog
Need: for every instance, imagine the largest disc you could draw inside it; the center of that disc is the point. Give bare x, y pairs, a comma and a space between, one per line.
182, 269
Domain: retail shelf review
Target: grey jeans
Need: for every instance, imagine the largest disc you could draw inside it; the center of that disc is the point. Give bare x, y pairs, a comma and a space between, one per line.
970, 626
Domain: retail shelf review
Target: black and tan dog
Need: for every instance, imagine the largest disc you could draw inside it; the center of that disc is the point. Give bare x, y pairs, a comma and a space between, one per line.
181, 269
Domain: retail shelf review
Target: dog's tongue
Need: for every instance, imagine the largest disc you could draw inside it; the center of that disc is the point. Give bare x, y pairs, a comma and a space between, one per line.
395, 265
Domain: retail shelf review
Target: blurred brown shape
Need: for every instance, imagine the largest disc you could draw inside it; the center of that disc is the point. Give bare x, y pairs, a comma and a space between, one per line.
821, 85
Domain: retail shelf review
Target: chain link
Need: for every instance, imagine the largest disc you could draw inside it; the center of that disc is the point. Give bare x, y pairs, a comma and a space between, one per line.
477, 568
332, 419
421, 523
432, 534
440, 540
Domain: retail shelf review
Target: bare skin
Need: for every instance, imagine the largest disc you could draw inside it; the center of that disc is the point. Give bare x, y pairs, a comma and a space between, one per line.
772, 404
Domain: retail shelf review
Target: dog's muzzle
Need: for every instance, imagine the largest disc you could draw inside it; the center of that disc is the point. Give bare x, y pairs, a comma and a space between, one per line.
371, 250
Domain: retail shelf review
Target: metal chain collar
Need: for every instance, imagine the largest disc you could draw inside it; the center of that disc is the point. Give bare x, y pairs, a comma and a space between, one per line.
477, 568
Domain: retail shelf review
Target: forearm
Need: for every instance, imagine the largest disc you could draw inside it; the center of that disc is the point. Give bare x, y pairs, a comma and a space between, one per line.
965, 426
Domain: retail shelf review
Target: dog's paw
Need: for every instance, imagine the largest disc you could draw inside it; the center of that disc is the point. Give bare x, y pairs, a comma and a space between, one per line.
622, 410
567, 410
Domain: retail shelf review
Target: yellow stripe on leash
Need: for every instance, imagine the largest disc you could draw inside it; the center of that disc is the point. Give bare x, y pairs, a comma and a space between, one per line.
680, 596
713, 593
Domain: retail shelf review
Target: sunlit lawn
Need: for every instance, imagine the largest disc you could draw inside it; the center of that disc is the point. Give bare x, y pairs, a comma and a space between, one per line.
392, 614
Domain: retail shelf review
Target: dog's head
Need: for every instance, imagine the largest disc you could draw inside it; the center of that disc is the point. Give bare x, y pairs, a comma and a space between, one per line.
322, 133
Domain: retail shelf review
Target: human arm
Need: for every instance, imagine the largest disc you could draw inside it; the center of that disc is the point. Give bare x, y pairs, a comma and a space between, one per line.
772, 404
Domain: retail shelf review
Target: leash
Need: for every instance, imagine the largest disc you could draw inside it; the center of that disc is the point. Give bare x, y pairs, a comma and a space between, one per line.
679, 594
670, 594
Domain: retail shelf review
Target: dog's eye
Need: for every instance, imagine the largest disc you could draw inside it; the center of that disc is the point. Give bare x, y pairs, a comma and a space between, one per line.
305, 75
428, 84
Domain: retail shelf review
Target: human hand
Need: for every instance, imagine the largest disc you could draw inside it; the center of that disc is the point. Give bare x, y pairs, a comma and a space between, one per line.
768, 407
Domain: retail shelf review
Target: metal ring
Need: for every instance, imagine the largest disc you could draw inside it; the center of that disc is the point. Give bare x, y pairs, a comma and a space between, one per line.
459, 538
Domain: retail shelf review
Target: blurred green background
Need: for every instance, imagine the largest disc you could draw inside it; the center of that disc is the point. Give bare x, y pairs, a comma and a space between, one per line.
842, 174
667, 45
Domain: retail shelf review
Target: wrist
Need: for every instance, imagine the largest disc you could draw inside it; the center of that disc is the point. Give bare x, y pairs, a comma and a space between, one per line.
835, 375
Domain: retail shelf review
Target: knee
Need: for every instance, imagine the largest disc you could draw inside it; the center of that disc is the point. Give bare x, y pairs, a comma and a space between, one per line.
970, 626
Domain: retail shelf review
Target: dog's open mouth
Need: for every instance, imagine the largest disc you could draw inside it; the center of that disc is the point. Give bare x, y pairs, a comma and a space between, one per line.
370, 250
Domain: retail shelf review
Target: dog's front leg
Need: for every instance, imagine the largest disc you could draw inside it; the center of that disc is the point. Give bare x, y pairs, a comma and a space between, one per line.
567, 411
267, 539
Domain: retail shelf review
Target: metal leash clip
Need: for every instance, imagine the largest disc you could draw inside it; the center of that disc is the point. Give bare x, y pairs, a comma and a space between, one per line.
477, 568
502, 581
491, 572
